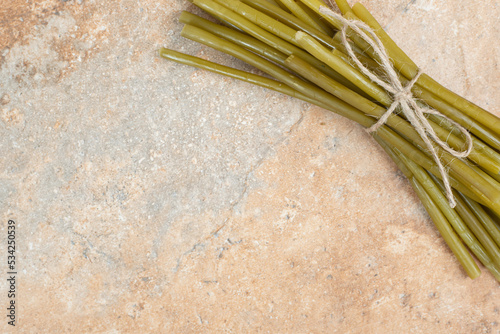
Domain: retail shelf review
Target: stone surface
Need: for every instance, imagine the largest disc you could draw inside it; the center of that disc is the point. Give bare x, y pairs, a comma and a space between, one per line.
154, 197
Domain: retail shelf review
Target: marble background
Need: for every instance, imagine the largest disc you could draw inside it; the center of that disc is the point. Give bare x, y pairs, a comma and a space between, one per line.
151, 197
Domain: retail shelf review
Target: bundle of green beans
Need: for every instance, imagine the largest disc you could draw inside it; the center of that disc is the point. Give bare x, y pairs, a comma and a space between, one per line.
294, 42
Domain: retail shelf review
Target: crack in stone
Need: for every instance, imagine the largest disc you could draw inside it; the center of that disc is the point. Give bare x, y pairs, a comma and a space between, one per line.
108, 257
292, 129
407, 6
405, 9
199, 243
244, 192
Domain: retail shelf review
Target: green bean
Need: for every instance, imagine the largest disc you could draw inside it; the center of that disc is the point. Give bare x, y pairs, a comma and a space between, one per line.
443, 226
480, 235
301, 14
409, 69
363, 46
296, 24
265, 36
404, 64
282, 6
344, 6
372, 109
232, 73
344, 68
329, 30
282, 75
272, 2
292, 21
268, 83
240, 39
485, 219
475, 182
314, 93
285, 46
411, 170
262, 20
355, 76
442, 203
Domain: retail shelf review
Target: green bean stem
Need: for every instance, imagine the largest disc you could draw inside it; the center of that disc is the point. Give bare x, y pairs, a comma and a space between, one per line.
484, 218
409, 69
264, 36
301, 14
372, 109
293, 22
440, 221
278, 40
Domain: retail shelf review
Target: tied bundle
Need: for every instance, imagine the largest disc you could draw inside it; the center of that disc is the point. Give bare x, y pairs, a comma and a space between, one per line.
402, 95
347, 64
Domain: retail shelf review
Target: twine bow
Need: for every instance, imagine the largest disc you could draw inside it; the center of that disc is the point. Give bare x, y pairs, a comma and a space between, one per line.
402, 97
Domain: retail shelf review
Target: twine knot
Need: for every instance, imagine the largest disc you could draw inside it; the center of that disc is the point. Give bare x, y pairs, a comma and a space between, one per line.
402, 97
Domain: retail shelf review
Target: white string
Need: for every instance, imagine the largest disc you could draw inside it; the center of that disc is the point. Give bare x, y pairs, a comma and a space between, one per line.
402, 96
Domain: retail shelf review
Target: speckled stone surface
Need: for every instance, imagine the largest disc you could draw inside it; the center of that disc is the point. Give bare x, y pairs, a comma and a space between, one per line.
151, 197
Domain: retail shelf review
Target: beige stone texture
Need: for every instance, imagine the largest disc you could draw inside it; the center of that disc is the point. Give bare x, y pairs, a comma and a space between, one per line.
152, 197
